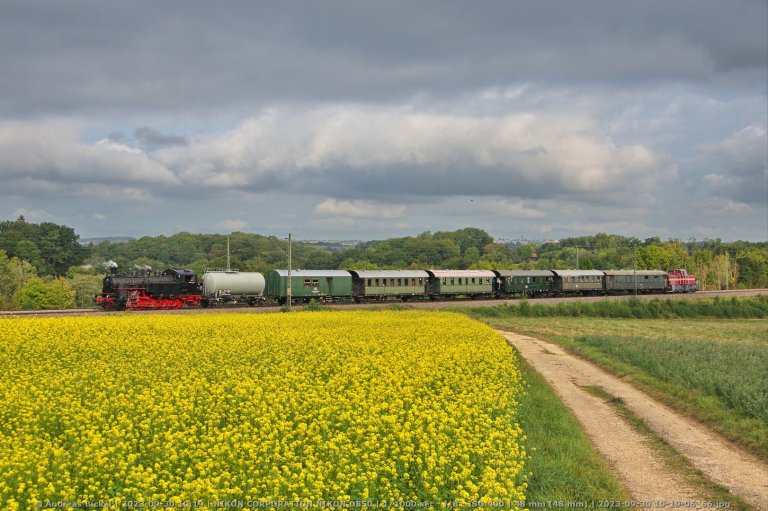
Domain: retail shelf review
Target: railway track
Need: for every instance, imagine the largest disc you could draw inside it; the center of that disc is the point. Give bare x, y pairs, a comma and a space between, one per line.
411, 304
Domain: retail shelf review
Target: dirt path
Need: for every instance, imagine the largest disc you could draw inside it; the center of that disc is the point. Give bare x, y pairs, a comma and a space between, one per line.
626, 450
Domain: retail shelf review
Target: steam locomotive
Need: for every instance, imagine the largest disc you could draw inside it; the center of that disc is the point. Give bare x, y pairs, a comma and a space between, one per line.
171, 289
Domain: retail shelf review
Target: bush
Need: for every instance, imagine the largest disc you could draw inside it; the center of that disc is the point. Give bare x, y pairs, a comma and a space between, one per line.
85, 287
37, 294
314, 305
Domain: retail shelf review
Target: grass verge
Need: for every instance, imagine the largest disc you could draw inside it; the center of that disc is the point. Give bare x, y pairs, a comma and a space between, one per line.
563, 464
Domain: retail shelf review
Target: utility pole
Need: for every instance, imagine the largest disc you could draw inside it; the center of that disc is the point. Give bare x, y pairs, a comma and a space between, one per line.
290, 293
577, 254
635, 271
288, 290
228, 266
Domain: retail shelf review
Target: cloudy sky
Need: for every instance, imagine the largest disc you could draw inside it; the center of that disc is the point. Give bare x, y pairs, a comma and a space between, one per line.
370, 119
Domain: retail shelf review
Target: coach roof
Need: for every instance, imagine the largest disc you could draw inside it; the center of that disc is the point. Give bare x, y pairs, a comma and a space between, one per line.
578, 273
461, 273
636, 272
524, 273
313, 273
387, 274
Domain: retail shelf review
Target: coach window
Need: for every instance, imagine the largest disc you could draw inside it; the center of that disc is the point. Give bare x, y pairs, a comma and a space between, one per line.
315, 283
452, 281
444, 280
306, 283
392, 282
421, 281
399, 282
369, 282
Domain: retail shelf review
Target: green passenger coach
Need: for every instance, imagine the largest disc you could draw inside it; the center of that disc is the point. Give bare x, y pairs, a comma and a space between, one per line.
370, 285
471, 283
524, 282
641, 281
308, 284
578, 281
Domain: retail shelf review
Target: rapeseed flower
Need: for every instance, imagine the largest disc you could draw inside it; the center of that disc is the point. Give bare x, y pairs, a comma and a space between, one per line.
382, 406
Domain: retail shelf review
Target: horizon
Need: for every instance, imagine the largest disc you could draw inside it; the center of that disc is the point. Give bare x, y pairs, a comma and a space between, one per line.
496, 239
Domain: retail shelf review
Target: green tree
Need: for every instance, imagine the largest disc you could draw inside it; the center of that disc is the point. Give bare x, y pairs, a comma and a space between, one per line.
665, 256
85, 286
51, 248
37, 294
14, 273
470, 237
753, 268
359, 264
26, 250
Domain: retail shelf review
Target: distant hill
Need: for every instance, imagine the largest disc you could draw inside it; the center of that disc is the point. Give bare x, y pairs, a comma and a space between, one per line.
111, 239
332, 245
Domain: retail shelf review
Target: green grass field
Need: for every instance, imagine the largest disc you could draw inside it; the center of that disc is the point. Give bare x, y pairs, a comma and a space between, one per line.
715, 370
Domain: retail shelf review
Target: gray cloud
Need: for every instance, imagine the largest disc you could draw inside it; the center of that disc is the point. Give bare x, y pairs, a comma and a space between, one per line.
540, 116
153, 138
744, 156
383, 152
53, 152
82, 56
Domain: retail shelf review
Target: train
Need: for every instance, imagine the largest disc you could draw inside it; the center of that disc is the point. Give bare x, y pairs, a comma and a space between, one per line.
177, 288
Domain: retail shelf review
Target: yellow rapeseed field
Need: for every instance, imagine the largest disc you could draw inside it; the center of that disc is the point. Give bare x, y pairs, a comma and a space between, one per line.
179, 409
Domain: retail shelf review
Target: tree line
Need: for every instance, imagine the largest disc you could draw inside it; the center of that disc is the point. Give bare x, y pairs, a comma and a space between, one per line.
45, 266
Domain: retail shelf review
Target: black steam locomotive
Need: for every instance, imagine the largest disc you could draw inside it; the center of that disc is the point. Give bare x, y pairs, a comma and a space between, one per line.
171, 289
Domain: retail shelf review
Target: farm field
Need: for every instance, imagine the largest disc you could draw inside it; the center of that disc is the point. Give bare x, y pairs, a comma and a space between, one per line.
715, 370
348, 406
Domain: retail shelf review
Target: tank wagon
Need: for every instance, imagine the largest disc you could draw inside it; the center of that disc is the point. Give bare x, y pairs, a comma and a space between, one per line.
231, 287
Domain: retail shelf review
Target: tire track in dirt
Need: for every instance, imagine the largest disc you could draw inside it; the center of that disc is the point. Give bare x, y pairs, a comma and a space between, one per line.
627, 451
